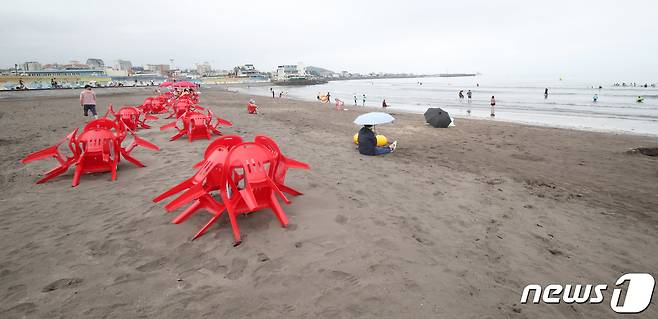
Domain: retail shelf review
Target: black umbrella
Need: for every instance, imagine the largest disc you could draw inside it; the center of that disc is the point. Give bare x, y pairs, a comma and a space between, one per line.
437, 117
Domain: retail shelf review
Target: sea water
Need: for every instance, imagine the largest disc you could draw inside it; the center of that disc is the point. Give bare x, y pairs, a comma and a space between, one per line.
569, 103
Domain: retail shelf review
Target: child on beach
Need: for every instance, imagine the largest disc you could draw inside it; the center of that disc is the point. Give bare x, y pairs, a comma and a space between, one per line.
88, 101
493, 104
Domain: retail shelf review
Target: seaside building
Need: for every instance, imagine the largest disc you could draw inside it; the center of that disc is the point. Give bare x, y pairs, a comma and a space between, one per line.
42, 79
287, 71
162, 69
204, 69
95, 63
113, 72
123, 65
31, 66
246, 70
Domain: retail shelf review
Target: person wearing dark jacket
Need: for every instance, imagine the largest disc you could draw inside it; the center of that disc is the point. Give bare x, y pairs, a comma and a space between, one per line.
368, 143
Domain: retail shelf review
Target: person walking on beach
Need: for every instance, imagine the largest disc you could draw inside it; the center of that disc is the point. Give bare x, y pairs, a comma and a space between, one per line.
469, 94
368, 142
364, 100
272, 93
461, 95
88, 101
493, 105
328, 97
354, 99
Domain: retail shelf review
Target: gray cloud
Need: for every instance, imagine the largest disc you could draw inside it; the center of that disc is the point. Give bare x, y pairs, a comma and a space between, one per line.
588, 39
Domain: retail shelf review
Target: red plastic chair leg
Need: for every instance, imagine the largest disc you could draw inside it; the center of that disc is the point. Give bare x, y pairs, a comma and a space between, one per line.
206, 226
278, 211
289, 190
53, 173
174, 190
131, 159
231, 216
187, 212
76, 175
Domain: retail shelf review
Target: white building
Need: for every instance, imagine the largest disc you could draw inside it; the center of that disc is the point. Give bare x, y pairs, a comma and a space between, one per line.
31, 66
95, 63
204, 68
124, 65
287, 71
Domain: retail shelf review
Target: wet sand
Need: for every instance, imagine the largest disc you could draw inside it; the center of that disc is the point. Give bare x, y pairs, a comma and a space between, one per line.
452, 225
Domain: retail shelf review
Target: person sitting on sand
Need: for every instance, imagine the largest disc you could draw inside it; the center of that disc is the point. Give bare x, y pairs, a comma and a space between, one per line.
88, 101
368, 142
252, 108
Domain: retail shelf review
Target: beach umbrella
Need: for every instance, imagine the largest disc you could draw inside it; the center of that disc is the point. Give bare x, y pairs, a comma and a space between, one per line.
166, 83
374, 118
437, 117
185, 84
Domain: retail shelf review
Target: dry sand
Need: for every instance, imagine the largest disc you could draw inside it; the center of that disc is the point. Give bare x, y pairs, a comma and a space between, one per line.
452, 225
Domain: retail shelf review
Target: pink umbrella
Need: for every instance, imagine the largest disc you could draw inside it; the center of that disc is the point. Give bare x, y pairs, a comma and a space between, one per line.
186, 84
166, 83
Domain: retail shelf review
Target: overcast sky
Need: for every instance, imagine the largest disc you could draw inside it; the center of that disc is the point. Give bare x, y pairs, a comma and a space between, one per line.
590, 39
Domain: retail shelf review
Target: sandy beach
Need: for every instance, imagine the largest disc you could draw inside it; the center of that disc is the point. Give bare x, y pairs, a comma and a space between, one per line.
453, 224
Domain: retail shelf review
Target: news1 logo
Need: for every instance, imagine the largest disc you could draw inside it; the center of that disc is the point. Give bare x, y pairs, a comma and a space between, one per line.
637, 298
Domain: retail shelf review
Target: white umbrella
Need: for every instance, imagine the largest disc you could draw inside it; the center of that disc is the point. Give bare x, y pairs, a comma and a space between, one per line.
374, 118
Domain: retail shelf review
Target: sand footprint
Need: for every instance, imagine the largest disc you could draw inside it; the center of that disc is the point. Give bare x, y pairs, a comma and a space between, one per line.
237, 268
63, 283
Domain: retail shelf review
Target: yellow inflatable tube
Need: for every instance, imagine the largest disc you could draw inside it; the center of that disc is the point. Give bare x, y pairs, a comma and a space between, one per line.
381, 140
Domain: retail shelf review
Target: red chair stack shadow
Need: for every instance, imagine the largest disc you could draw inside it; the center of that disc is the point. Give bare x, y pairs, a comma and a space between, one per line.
97, 149
244, 176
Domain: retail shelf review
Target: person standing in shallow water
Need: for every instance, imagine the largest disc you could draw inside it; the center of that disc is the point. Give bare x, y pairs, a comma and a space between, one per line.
364, 100
354, 99
493, 105
545, 93
384, 105
469, 94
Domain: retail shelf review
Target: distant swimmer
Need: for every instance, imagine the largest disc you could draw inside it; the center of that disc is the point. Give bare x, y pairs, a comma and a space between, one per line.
469, 94
640, 99
493, 105
595, 98
364, 100
545, 93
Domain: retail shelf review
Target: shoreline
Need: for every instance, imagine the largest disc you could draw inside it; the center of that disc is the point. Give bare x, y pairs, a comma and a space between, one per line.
454, 223
526, 123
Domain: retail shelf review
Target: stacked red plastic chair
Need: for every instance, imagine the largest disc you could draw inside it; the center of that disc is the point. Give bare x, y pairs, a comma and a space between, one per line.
132, 117
246, 176
97, 149
196, 125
